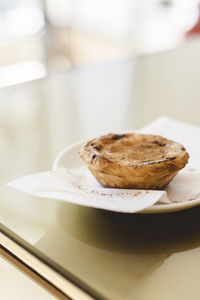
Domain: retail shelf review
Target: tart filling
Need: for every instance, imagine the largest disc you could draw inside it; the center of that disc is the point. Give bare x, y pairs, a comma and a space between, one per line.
132, 160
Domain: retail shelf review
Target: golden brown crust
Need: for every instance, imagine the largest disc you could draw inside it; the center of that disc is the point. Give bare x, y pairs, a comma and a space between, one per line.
134, 160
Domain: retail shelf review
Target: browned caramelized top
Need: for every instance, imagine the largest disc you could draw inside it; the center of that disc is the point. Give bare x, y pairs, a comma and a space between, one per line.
135, 148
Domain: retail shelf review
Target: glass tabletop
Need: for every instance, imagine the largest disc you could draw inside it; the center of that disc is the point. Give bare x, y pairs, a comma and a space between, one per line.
107, 255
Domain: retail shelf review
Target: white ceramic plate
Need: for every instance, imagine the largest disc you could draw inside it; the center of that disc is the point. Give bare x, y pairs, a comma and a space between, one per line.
69, 158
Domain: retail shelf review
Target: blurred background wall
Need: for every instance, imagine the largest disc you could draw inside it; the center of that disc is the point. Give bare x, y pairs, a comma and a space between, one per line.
160, 38
38, 37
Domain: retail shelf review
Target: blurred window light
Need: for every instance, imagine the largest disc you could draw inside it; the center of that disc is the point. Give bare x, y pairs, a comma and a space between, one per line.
108, 18
185, 13
60, 12
22, 24
21, 72
23, 21
148, 25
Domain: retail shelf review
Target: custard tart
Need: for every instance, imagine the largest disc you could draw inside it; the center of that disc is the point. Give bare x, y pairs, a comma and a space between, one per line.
136, 161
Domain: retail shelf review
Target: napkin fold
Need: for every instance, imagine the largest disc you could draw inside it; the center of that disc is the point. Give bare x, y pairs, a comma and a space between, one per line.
78, 186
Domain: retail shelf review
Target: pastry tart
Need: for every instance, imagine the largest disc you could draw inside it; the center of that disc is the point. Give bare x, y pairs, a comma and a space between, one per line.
137, 161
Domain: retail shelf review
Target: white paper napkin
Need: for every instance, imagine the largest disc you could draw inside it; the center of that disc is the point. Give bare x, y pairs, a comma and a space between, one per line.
77, 185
